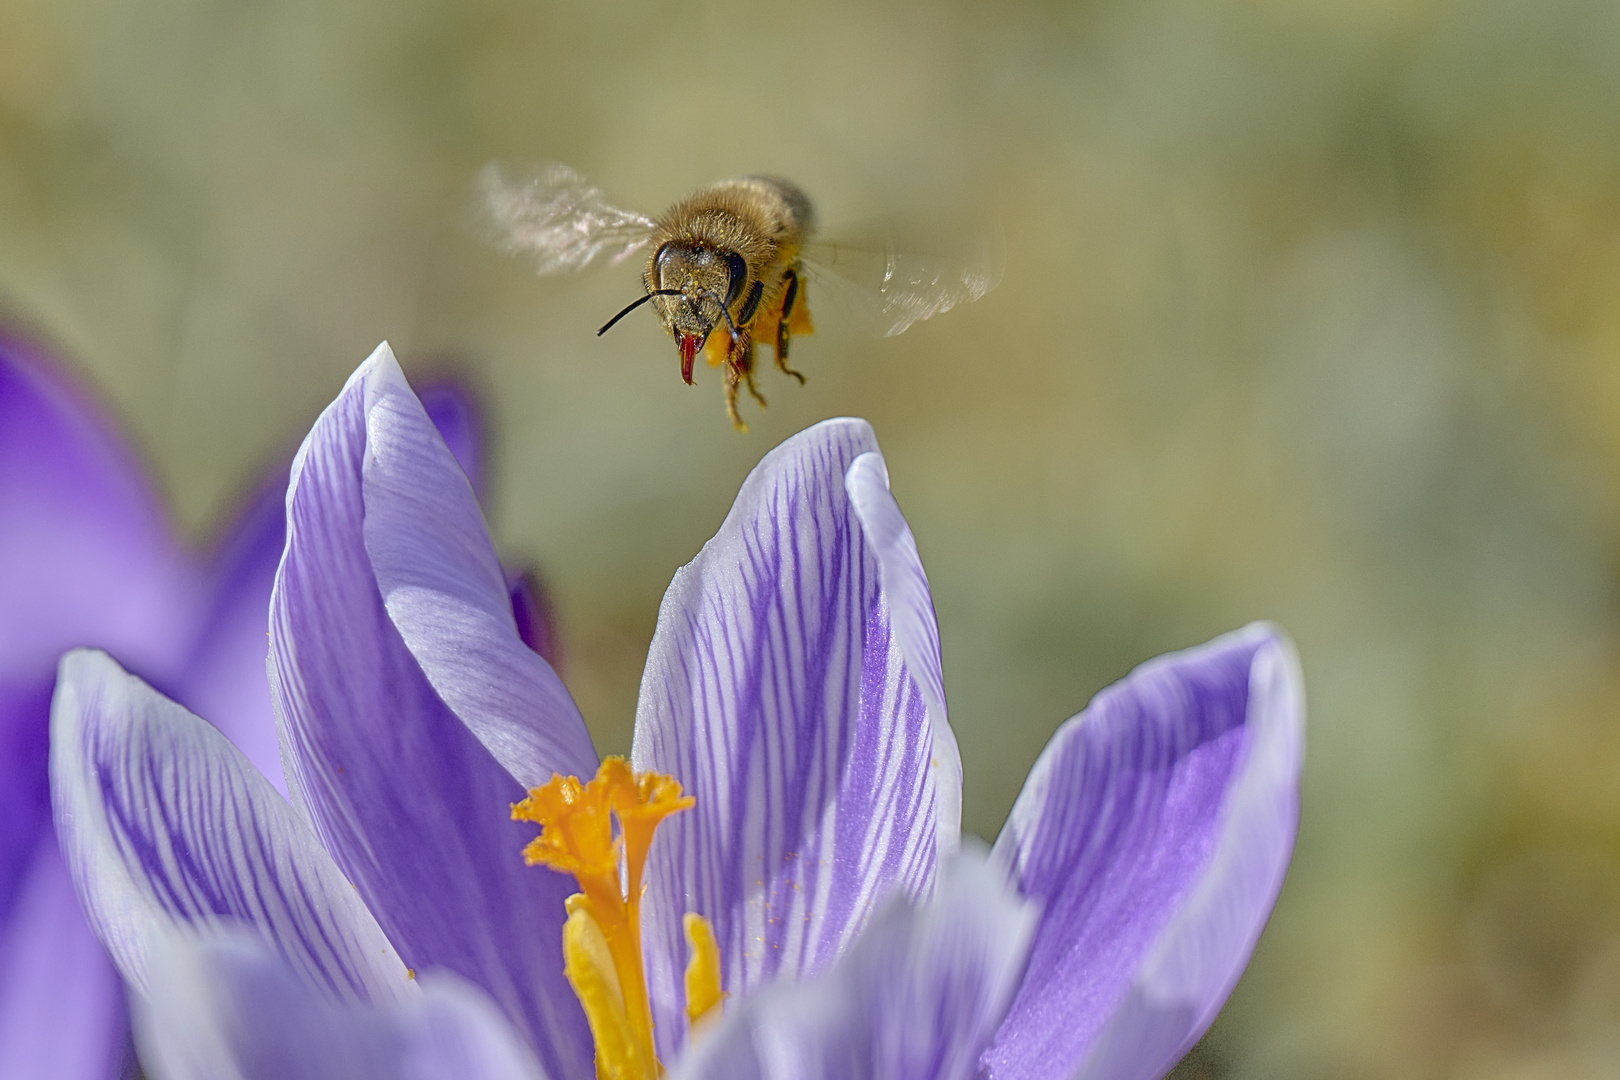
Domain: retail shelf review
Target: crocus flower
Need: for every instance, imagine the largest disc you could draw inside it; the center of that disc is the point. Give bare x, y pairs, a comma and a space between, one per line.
773, 885
88, 556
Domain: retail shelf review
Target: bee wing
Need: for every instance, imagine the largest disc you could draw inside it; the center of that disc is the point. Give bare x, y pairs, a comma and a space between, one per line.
554, 214
902, 274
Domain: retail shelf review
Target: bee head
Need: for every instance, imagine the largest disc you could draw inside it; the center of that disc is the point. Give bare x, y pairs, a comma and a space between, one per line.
707, 280
692, 287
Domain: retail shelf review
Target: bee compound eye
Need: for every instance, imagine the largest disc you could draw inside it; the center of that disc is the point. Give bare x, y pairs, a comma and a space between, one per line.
737, 268
663, 266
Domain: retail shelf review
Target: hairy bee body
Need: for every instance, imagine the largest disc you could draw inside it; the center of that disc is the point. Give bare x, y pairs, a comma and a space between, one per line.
726, 265
734, 246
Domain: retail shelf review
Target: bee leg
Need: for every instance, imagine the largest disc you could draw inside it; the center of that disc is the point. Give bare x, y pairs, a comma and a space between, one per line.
790, 295
732, 378
782, 351
742, 358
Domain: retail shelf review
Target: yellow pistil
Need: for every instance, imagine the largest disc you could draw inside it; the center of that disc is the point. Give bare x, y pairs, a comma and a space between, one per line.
602, 937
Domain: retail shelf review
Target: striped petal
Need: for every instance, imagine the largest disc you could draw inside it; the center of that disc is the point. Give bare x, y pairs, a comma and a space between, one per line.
777, 692
1154, 831
916, 997
226, 1007
911, 610
412, 805
165, 824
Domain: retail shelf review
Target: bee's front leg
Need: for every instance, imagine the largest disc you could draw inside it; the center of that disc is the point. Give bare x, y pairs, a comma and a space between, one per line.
732, 379
742, 358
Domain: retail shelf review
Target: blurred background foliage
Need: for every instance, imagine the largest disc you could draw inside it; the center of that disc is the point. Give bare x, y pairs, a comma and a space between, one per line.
1312, 312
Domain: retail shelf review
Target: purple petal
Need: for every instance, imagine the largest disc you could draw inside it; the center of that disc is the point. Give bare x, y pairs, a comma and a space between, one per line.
412, 806
455, 414
911, 609
61, 1006
165, 824
224, 678
916, 997
776, 693
531, 608
87, 556
447, 594
25, 797
1155, 830
226, 1007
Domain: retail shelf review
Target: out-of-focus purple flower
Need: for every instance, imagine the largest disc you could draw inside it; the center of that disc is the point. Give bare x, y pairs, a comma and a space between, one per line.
89, 557
793, 690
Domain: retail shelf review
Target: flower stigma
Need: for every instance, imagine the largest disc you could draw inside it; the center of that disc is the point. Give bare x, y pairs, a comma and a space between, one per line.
602, 935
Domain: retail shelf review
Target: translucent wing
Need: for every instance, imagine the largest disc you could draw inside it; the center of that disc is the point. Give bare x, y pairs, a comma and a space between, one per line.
556, 216
901, 275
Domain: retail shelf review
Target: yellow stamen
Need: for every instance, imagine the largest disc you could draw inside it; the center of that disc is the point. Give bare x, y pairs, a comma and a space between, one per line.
602, 937
703, 993
588, 963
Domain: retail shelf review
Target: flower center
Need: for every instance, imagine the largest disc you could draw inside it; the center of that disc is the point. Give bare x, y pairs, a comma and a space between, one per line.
602, 936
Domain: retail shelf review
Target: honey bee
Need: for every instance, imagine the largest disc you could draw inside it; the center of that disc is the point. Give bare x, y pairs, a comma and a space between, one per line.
729, 265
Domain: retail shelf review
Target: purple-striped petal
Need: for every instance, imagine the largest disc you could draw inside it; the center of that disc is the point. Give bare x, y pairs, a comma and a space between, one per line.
916, 997
911, 610
226, 1007
412, 806
1154, 830
165, 824
776, 693
61, 1005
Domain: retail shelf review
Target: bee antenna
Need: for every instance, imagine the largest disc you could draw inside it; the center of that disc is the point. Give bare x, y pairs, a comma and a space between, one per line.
724, 311
637, 302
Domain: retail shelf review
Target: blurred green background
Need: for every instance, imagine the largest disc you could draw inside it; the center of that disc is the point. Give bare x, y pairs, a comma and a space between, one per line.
1312, 312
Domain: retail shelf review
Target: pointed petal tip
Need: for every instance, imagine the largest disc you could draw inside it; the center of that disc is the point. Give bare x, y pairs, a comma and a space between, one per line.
380, 360
76, 663
910, 605
395, 653
1161, 926
779, 640
165, 826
